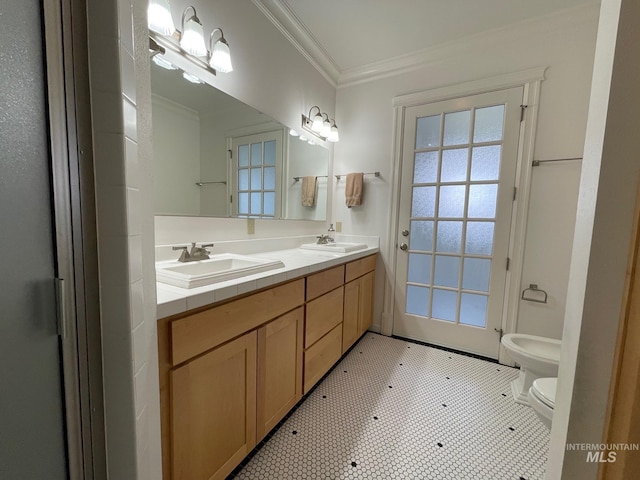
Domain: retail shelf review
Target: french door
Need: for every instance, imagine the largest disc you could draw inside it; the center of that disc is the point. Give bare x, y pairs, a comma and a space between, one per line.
457, 191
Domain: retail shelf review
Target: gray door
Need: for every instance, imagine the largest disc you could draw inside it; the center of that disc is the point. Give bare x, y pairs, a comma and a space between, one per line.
32, 431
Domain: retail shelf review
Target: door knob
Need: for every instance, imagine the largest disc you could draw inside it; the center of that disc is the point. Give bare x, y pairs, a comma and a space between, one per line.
404, 246
405, 233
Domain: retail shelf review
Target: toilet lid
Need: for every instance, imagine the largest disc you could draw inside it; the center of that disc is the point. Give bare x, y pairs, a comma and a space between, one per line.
545, 389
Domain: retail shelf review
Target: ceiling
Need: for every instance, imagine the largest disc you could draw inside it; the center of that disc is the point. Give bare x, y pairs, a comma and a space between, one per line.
355, 33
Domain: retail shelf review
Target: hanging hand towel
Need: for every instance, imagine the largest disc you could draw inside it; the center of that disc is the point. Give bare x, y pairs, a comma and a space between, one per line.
309, 191
354, 188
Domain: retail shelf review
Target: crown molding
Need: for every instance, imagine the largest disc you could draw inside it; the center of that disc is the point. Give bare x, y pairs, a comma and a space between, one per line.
413, 61
281, 15
286, 21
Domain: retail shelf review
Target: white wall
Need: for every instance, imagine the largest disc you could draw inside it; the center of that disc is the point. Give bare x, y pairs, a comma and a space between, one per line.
564, 42
176, 158
599, 264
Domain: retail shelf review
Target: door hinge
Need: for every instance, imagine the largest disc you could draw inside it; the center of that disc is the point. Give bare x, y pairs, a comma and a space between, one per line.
230, 198
515, 193
522, 110
500, 331
508, 263
230, 153
61, 312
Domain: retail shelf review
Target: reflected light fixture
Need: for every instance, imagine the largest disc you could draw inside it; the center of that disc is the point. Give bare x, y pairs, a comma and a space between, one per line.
320, 125
192, 37
333, 134
220, 58
159, 17
162, 62
191, 78
293, 133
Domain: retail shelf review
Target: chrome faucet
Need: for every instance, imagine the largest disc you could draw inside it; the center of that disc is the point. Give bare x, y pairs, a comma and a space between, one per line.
326, 239
195, 254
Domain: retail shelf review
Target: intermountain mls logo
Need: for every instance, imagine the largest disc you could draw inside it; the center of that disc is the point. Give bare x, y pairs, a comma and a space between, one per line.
602, 452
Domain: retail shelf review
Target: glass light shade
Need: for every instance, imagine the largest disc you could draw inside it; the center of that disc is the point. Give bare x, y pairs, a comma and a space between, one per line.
311, 142
333, 136
221, 57
293, 133
191, 78
303, 138
326, 128
159, 17
162, 62
192, 39
317, 124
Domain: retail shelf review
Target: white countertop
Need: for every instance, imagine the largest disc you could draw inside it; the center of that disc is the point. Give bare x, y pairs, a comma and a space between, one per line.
297, 263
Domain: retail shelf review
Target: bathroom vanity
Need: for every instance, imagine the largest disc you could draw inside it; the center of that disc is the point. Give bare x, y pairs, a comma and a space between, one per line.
232, 369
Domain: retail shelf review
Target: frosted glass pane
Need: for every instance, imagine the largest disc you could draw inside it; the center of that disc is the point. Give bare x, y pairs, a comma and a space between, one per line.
425, 167
270, 178
451, 202
270, 203
482, 201
488, 124
419, 268
270, 152
456, 127
428, 132
444, 305
476, 274
256, 203
421, 236
417, 300
243, 155
447, 271
479, 238
473, 310
423, 202
485, 163
256, 179
243, 203
256, 154
243, 179
454, 165
449, 237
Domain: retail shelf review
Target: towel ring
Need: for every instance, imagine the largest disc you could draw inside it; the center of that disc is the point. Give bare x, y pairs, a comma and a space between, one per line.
533, 287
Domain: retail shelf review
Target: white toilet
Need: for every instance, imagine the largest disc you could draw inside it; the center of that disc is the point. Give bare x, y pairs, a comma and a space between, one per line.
542, 398
537, 357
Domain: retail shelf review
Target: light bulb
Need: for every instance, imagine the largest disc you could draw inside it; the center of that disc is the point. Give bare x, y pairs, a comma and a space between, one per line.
333, 136
317, 124
192, 39
159, 17
326, 128
221, 57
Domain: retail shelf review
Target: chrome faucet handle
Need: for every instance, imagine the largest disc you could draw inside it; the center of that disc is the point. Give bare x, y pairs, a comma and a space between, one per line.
184, 256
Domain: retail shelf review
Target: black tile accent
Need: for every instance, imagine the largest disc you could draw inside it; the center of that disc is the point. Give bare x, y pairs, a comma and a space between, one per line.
375, 418
444, 404
324, 396
439, 444
400, 364
446, 349
345, 371
295, 432
447, 378
390, 386
354, 464
512, 429
503, 394
522, 478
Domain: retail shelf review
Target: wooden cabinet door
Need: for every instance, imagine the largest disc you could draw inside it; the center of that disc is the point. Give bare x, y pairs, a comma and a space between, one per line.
365, 302
279, 369
350, 325
213, 411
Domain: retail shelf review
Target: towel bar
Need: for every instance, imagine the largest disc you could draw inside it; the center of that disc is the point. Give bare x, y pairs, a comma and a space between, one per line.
377, 174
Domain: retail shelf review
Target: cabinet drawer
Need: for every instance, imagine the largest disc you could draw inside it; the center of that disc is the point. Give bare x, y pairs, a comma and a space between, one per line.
321, 356
195, 334
359, 267
324, 282
323, 314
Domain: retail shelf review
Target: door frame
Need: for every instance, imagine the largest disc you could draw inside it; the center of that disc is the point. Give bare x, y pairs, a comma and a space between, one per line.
75, 245
530, 80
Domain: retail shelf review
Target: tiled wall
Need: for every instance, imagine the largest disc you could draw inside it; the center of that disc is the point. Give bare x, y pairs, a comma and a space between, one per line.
121, 125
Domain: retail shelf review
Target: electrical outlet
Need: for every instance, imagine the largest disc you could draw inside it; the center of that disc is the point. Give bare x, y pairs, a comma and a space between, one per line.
251, 226
338, 227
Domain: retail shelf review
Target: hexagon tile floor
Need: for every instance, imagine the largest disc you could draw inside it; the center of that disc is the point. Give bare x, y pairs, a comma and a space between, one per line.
393, 409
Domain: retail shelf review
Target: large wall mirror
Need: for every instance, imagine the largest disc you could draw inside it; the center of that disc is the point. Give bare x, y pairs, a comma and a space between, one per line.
216, 156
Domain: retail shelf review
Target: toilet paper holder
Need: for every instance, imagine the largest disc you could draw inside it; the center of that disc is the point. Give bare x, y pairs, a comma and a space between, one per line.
533, 287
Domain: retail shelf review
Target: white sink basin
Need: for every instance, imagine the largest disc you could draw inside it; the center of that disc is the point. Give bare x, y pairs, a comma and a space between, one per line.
218, 268
339, 247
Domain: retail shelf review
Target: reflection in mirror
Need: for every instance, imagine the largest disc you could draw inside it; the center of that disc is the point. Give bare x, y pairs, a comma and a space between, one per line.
216, 156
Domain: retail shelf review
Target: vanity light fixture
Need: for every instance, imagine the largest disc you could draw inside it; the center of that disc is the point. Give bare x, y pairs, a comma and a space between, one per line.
320, 125
192, 37
333, 134
159, 17
220, 58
